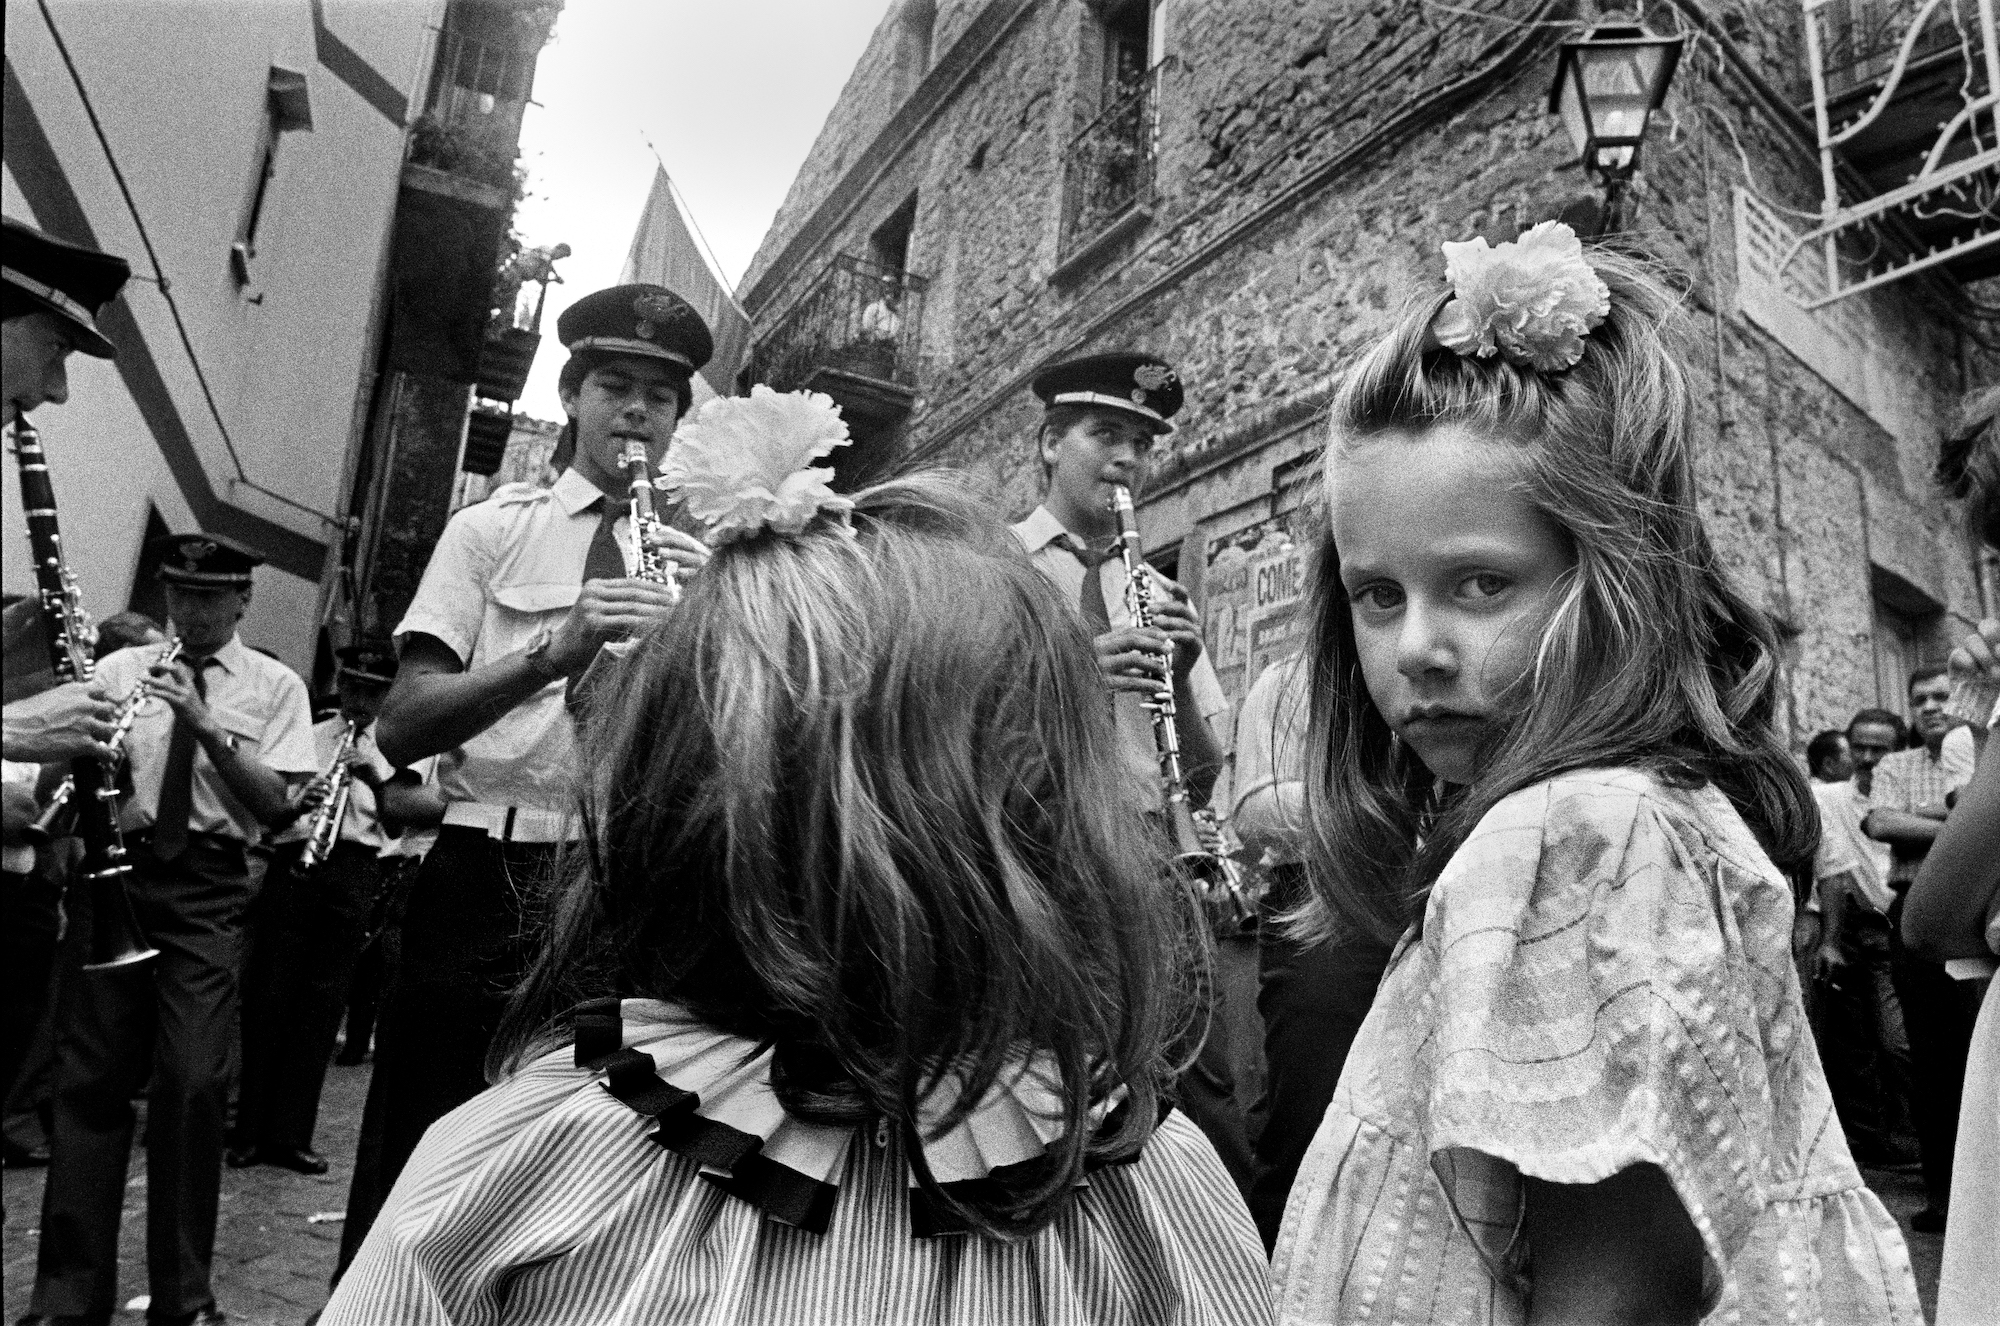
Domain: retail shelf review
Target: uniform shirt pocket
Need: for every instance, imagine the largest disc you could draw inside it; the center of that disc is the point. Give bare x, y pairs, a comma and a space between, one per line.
519, 610
245, 732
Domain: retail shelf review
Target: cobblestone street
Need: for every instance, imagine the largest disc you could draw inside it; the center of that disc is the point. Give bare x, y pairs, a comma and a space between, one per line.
271, 1259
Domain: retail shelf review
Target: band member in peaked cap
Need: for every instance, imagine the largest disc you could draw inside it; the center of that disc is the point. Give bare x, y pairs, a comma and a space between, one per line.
1103, 415
213, 759
50, 295
520, 595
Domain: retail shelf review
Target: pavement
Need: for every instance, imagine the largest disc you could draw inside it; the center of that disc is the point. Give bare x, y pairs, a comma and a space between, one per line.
272, 1259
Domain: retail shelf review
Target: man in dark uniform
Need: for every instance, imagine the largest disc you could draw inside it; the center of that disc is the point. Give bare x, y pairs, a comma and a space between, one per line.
212, 760
1103, 414
309, 922
522, 592
50, 293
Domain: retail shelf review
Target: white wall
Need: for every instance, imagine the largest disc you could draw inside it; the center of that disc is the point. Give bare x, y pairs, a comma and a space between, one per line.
181, 91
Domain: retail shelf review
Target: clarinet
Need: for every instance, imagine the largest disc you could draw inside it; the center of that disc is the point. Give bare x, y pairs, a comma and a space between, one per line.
323, 830
648, 561
49, 826
1197, 834
115, 940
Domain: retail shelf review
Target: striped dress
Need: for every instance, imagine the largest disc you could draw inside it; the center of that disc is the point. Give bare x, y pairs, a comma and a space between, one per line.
659, 1183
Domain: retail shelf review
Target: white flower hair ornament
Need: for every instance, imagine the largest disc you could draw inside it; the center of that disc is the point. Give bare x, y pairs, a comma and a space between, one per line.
1531, 300
744, 464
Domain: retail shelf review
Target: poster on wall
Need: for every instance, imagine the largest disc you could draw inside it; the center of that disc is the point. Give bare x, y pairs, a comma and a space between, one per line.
1253, 583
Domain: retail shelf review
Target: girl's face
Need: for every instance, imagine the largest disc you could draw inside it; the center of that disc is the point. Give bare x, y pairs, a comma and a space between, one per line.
1450, 574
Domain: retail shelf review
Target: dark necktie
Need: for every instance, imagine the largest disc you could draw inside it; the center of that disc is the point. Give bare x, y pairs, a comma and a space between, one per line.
1090, 600
605, 561
170, 825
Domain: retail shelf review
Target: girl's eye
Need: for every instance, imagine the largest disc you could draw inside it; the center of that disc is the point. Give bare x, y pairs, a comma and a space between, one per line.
1377, 597
1484, 585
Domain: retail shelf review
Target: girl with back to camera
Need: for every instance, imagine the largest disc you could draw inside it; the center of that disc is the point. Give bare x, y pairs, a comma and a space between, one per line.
1544, 745
858, 1010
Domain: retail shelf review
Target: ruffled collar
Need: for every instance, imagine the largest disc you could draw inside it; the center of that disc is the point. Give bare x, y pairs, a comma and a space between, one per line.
710, 1096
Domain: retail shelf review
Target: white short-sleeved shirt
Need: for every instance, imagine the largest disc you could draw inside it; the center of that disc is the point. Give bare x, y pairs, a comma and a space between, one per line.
257, 700
1270, 732
502, 571
1844, 848
1043, 536
363, 821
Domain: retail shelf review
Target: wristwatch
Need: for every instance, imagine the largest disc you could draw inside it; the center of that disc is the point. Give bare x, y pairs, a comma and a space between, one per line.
538, 658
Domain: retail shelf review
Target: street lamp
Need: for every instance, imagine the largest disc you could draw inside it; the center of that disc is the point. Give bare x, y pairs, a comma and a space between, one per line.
1607, 86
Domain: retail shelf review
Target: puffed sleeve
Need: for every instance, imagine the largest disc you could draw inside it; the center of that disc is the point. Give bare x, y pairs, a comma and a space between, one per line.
450, 602
1596, 1008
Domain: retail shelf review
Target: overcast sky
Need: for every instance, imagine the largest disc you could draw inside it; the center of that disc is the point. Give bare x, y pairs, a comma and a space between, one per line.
731, 92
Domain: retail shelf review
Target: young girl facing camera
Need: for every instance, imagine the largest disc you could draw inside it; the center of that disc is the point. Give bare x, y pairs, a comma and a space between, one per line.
859, 1009
1544, 748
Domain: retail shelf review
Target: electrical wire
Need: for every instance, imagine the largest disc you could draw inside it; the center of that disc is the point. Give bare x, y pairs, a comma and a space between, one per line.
159, 277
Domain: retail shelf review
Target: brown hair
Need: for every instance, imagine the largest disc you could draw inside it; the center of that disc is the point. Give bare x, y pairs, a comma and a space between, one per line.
830, 808
1649, 657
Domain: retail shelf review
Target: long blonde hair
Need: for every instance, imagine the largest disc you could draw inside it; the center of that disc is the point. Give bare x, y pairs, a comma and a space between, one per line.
1649, 658
857, 797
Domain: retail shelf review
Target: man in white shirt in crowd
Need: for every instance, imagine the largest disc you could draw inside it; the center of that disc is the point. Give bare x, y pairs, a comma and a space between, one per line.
1908, 805
1857, 1018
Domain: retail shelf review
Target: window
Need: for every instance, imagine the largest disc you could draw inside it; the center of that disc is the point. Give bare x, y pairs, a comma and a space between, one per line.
287, 107
889, 246
1909, 633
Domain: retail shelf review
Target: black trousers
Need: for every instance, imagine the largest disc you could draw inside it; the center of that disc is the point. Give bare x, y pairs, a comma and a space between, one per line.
378, 955
1938, 1013
1313, 1000
171, 1020
30, 923
463, 946
1858, 1024
305, 935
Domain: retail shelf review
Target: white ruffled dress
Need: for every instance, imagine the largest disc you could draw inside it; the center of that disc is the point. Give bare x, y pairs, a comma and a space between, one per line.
1604, 979
648, 1175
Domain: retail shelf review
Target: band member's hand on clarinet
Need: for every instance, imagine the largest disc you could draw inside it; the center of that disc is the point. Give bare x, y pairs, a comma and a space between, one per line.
606, 611
1134, 659
174, 684
59, 724
1173, 612
684, 550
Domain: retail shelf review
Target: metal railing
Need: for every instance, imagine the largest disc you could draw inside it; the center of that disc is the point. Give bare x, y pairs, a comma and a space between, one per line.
1860, 39
856, 317
471, 125
1108, 168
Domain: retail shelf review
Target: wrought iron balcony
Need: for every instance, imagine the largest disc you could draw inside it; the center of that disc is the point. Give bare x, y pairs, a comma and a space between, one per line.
1108, 168
857, 320
471, 125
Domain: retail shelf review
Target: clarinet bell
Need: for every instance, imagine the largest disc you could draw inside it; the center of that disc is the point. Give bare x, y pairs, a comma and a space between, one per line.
115, 938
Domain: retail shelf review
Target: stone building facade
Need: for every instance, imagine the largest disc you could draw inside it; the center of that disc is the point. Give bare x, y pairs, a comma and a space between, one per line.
1252, 188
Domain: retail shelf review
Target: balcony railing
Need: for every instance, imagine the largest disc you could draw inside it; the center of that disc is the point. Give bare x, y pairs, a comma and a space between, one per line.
856, 318
1108, 168
471, 125
1861, 39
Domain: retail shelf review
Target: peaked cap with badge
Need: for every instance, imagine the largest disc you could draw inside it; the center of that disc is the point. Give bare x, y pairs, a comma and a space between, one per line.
205, 561
69, 280
646, 320
367, 661
1140, 384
